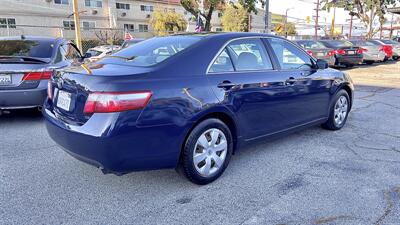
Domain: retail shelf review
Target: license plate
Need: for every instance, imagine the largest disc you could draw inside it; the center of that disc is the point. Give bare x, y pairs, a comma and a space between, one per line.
351, 52
320, 54
64, 100
5, 79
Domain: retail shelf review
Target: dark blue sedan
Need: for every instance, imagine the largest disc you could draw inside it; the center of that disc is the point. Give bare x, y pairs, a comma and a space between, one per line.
190, 101
26, 64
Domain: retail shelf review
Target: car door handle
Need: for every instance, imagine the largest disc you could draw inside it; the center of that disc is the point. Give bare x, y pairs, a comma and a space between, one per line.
290, 81
226, 85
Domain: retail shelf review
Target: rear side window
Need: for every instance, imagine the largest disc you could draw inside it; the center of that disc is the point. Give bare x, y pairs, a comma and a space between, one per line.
27, 48
288, 55
151, 51
222, 63
310, 44
249, 54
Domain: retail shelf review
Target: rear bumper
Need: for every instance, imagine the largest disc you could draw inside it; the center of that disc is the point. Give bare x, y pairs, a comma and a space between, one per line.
103, 141
376, 57
28, 98
349, 60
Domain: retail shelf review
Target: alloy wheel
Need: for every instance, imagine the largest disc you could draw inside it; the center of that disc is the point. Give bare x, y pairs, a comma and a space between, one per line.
341, 108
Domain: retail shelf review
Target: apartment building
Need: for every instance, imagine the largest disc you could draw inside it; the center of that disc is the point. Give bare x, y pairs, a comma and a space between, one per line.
54, 17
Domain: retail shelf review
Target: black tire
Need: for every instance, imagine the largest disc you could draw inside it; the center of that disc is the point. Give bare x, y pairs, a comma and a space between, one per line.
369, 62
349, 66
395, 58
186, 165
330, 124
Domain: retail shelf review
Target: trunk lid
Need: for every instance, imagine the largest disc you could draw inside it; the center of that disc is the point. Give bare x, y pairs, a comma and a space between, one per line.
11, 75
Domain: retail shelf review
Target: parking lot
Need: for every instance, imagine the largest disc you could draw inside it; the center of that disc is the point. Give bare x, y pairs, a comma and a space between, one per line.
315, 176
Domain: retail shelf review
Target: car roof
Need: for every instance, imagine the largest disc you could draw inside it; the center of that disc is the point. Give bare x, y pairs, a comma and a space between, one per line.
225, 34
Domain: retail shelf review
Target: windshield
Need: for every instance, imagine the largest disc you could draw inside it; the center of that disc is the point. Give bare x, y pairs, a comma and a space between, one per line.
151, 51
27, 48
310, 44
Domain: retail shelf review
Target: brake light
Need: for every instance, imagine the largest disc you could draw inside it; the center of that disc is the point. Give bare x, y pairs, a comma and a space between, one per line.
340, 52
38, 75
331, 53
310, 52
362, 50
106, 102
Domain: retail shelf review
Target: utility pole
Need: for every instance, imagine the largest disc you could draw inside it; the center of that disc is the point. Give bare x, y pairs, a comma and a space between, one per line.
351, 24
267, 16
286, 22
333, 22
391, 27
316, 21
78, 41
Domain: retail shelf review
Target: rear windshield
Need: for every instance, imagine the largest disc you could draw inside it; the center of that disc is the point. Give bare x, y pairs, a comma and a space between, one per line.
338, 44
310, 44
389, 42
362, 43
29, 48
151, 51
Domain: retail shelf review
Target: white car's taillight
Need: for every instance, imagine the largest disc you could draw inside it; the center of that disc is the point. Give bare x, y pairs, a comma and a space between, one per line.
106, 102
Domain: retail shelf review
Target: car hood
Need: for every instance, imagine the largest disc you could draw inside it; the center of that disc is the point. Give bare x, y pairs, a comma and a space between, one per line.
102, 69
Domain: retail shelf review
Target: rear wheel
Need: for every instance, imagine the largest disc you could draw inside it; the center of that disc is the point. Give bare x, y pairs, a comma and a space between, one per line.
396, 58
206, 152
369, 62
339, 111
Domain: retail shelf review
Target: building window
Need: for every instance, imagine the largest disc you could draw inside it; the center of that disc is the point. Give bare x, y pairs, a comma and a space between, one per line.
61, 2
94, 3
87, 25
218, 29
143, 28
7, 23
69, 25
123, 6
146, 8
129, 27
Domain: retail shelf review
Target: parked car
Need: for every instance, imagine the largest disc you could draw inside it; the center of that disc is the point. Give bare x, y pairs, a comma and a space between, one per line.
372, 51
193, 108
397, 39
26, 64
395, 48
388, 49
318, 50
96, 53
346, 54
131, 42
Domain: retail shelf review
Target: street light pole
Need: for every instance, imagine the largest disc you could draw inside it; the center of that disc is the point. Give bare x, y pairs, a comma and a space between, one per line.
286, 21
267, 16
316, 21
78, 41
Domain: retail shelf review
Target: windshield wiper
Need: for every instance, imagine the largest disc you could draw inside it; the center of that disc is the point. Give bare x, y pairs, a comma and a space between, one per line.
121, 57
24, 58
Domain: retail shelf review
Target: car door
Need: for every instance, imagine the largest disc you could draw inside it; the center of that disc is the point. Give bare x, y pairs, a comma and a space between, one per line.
309, 85
244, 79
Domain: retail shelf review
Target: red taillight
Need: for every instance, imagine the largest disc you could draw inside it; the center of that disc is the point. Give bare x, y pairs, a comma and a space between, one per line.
106, 102
331, 53
40, 75
362, 50
388, 49
310, 52
340, 51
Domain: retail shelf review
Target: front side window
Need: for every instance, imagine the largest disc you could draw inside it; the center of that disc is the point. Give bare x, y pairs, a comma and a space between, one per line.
222, 63
61, 2
249, 54
94, 3
151, 51
289, 56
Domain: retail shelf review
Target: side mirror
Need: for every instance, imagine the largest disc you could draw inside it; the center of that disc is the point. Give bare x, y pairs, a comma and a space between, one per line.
87, 55
322, 64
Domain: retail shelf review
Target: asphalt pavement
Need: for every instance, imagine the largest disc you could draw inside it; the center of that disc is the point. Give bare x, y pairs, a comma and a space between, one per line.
351, 176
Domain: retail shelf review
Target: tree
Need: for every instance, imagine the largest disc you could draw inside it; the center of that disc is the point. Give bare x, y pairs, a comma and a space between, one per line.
235, 18
365, 10
209, 6
164, 23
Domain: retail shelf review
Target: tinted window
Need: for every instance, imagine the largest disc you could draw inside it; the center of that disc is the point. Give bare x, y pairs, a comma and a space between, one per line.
310, 44
288, 55
70, 53
30, 48
222, 63
249, 54
151, 51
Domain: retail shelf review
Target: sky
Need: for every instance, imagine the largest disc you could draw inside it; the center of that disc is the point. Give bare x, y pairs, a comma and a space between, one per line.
303, 8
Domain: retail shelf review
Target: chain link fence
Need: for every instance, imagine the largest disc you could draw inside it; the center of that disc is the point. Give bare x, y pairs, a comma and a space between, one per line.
91, 37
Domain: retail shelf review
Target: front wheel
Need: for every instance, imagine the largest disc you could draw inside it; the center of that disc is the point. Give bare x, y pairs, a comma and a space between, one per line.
206, 152
339, 111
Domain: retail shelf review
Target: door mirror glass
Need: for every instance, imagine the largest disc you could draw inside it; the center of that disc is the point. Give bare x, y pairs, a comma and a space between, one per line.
322, 64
